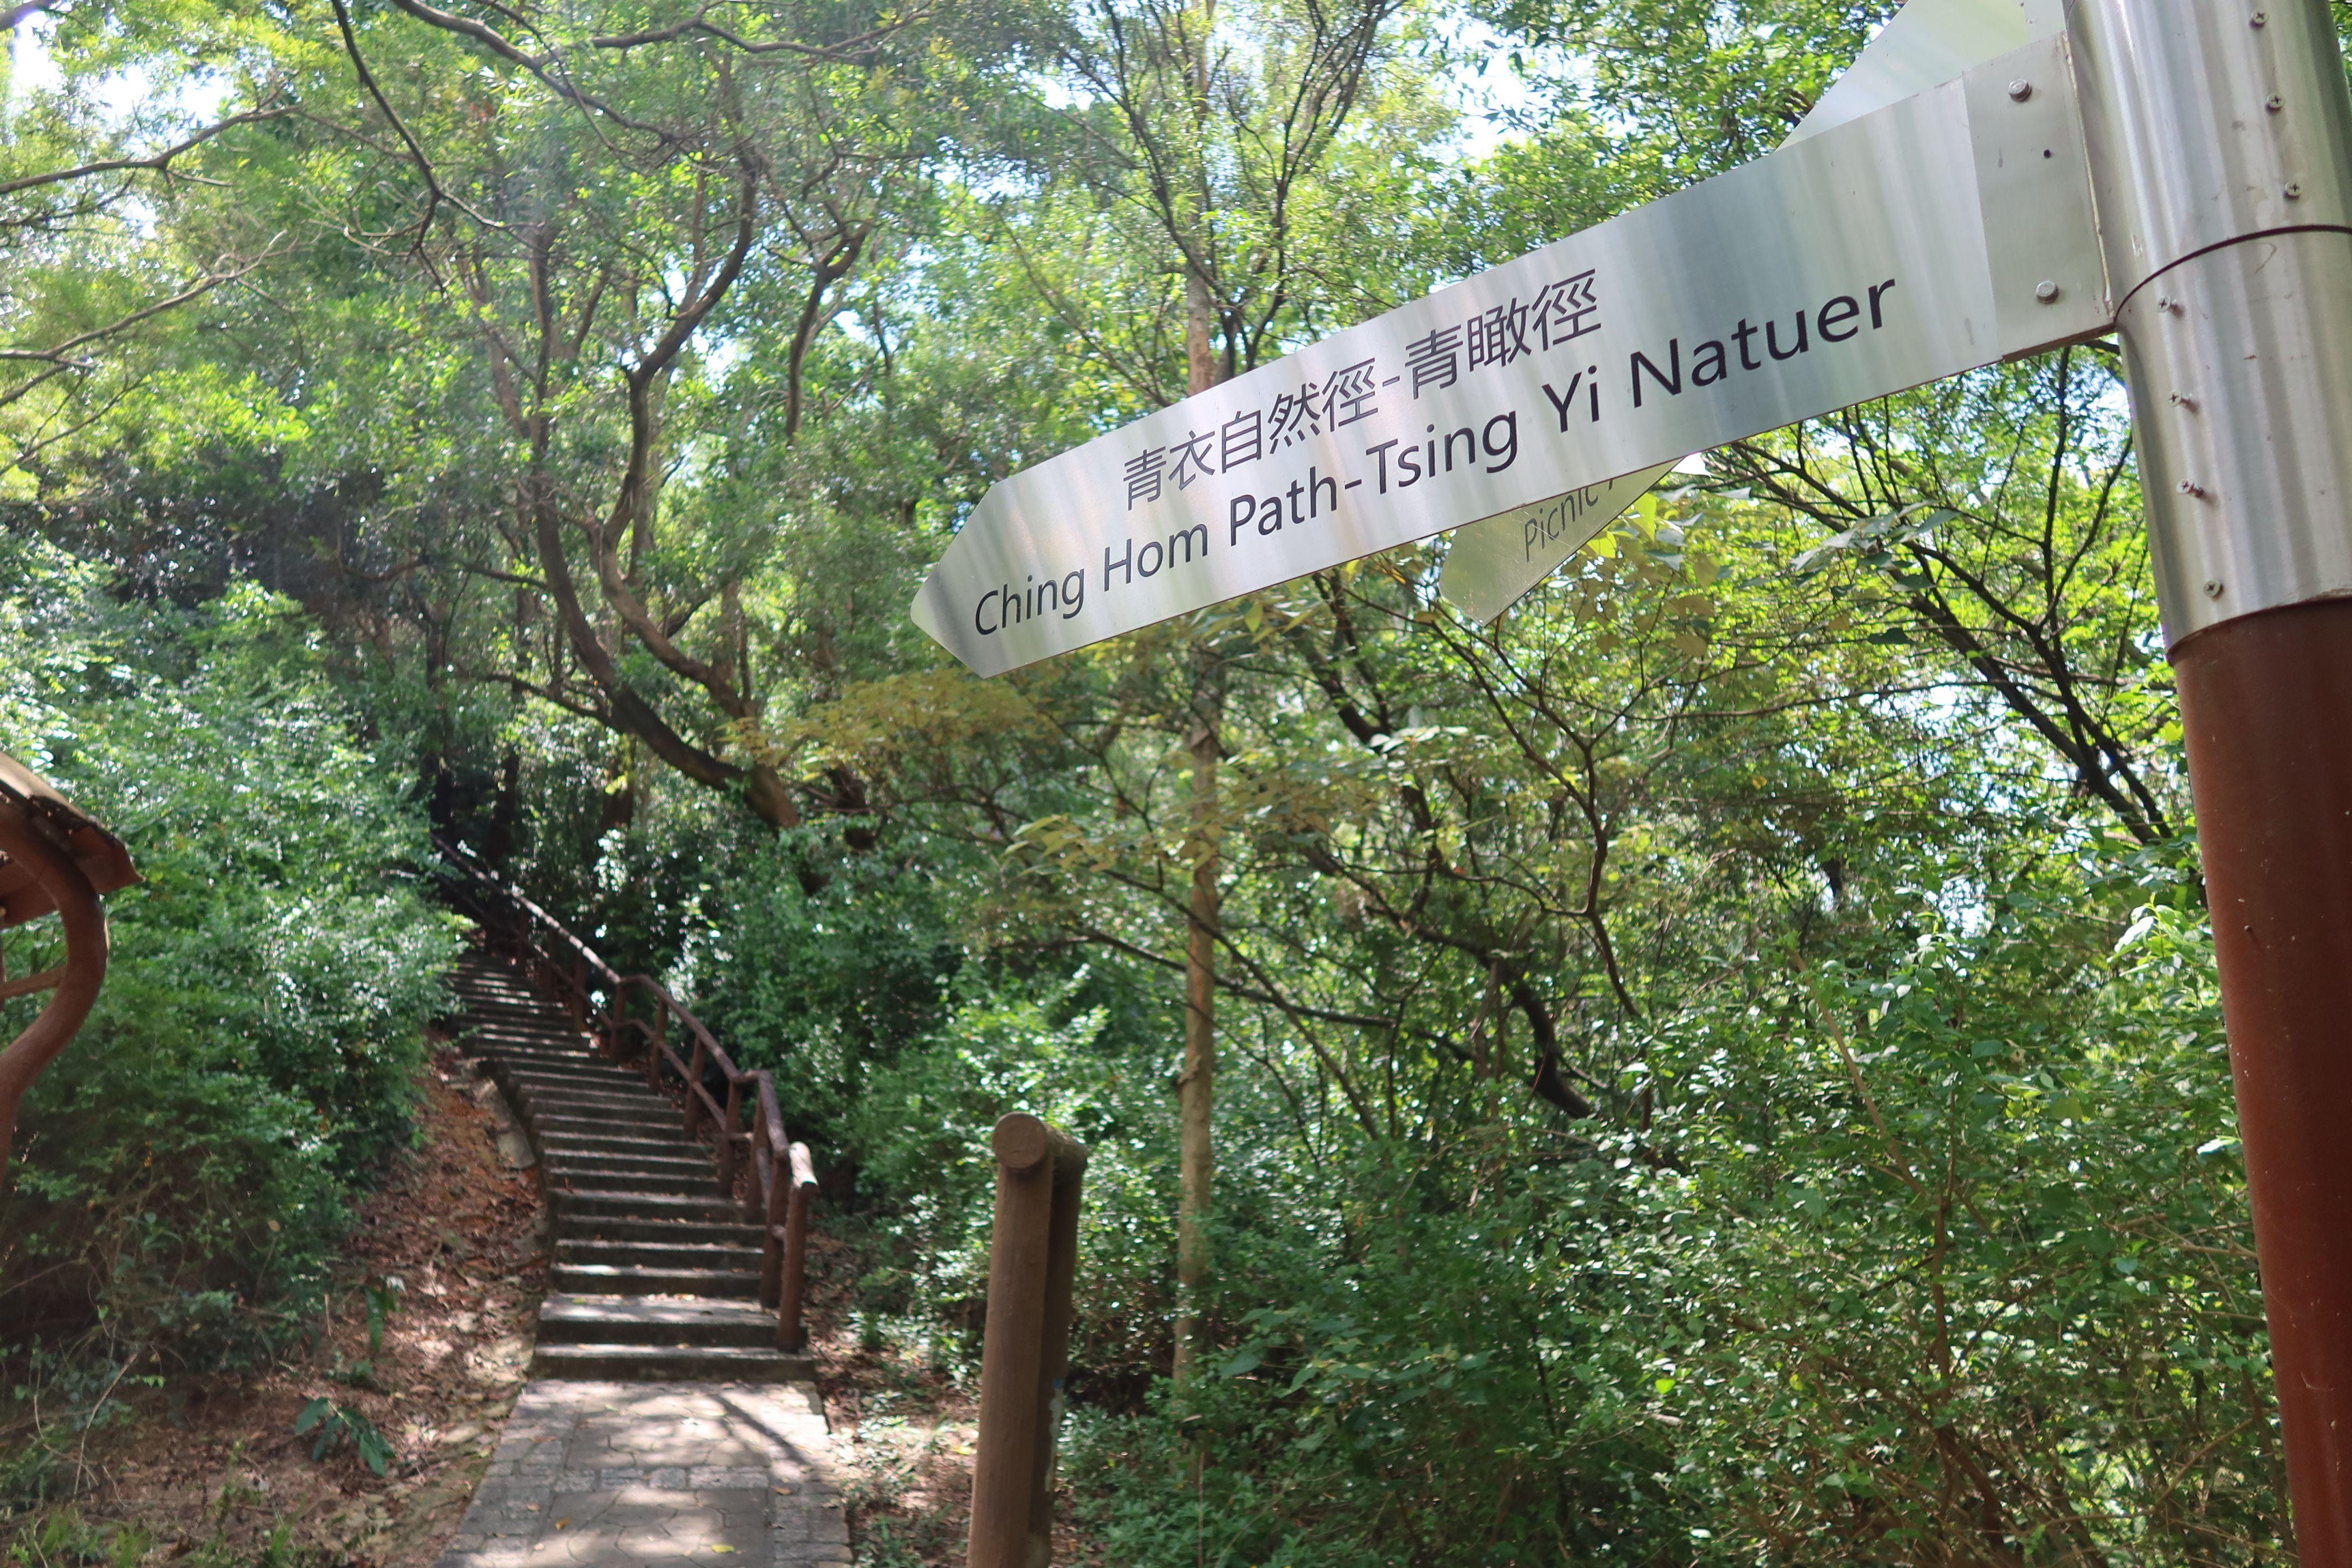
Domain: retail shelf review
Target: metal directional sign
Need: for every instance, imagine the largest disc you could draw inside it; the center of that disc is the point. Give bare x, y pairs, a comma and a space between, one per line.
1931, 237
1491, 563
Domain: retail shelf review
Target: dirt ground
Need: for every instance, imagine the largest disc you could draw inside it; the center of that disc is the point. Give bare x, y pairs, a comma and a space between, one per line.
906, 1427
905, 1430
213, 1467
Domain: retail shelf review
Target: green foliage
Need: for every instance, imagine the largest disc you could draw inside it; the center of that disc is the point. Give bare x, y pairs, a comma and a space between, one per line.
185, 1166
339, 1423
64, 1538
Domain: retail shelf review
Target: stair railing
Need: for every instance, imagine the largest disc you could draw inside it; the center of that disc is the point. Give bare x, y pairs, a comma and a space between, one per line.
599, 999
53, 857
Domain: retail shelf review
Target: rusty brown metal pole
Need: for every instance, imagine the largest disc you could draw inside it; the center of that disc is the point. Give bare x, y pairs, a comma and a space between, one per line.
2267, 704
1010, 1523
34, 844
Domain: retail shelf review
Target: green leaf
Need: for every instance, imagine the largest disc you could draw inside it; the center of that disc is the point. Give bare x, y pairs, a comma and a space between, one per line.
374, 1449
1248, 1359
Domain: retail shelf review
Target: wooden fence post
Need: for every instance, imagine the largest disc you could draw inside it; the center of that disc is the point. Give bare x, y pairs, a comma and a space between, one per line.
793, 1286
727, 1133
1032, 1266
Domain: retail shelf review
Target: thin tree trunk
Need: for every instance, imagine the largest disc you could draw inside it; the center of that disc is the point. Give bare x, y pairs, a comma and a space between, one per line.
1201, 369
1196, 1086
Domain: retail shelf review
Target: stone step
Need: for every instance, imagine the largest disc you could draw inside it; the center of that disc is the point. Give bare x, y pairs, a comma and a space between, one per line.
637, 1279
706, 1364
567, 1162
647, 1153
619, 1141
633, 1186
490, 988
703, 1207
561, 1058
655, 1321
611, 1229
518, 1021
532, 1037
546, 1033
660, 1255
589, 1073
553, 1123
659, 1124
549, 1081
545, 1095
620, 1085
566, 1047
595, 1077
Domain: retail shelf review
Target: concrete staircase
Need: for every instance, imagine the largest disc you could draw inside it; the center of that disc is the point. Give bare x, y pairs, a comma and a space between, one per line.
656, 1273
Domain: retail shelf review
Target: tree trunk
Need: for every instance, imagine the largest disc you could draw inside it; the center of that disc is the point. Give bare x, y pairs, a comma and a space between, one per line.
1201, 369
1196, 1086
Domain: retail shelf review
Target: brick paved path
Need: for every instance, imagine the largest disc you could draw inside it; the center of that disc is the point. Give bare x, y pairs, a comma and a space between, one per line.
615, 1474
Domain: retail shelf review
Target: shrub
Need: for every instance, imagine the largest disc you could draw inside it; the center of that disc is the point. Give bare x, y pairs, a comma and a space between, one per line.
184, 1169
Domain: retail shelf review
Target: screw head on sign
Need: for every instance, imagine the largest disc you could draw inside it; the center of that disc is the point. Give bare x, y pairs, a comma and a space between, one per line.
2182, 400
2020, 90
2212, 587
2189, 487
2294, 189
2045, 290
2274, 103
2258, 18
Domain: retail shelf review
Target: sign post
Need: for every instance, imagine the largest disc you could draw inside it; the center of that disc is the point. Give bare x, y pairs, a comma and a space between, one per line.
2222, 153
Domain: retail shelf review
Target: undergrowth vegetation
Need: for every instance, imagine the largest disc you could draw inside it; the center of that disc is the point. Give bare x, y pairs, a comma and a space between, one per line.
184, 1171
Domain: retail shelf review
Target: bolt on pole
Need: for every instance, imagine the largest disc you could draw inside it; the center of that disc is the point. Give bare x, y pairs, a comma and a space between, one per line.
1032, 1264
2221, 143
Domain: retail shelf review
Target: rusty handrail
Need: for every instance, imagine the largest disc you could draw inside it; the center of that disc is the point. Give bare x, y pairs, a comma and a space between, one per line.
779, 1182
52, 858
